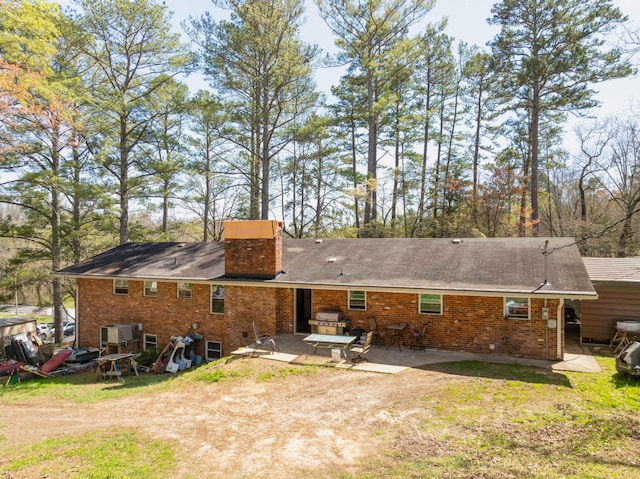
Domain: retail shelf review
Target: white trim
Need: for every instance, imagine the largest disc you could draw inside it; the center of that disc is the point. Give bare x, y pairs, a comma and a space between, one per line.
144, 340
178, 283
206, 350
211, 311
144, 288
349, 300
559, 332
428, 312
121, 287
581, 295
516, 317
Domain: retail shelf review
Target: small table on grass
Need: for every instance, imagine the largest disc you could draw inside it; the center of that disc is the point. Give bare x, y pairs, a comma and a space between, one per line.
108, 365
329, 341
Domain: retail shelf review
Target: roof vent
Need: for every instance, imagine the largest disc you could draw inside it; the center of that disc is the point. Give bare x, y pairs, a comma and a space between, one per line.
318, 240
331, 260
456, 241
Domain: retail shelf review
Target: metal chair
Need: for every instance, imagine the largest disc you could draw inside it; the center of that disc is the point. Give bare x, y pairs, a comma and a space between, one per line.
360, 349
264, 340
378, 336
418, 337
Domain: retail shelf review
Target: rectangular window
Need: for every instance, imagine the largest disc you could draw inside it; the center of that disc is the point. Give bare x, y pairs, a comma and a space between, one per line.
517, 308
121, 286
151, 288
430, 304
184, 290
357, 300
213, 350
217, 299
150, 342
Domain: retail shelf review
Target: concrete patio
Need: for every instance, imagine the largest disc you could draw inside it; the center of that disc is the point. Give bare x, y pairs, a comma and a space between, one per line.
393, 360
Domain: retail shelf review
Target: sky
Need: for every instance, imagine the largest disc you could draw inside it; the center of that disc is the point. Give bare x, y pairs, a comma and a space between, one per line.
467, 21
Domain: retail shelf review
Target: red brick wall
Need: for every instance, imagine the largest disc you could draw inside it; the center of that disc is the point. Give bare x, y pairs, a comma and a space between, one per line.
285, 310
166, 315
468, 323
253, 258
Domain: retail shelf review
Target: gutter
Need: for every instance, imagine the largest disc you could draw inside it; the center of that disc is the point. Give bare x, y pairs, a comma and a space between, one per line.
559, 320
527, 293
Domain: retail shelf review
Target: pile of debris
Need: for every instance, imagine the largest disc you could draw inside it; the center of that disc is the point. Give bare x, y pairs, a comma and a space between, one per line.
23, 351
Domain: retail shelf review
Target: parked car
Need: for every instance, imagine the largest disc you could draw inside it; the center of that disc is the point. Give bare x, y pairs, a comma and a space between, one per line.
44, 331
69, 329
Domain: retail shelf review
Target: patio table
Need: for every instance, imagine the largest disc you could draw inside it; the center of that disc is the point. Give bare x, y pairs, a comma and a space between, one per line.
395, 333
329, 341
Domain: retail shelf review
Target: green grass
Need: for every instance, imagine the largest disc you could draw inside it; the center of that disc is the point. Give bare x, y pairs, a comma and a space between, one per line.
85, 388
518, 422
483, 421
117, 455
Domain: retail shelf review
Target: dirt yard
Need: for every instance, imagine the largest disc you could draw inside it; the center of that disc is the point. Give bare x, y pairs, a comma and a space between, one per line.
316, 424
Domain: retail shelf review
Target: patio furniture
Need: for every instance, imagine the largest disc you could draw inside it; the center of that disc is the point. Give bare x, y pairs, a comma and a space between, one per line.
329, 341
264, 340
418, 337
395, 334
361, 349
113, 365
378, 336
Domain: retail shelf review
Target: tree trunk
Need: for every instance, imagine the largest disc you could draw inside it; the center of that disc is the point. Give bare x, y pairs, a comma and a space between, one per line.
124, 183
354, 170
535, 142
56, 249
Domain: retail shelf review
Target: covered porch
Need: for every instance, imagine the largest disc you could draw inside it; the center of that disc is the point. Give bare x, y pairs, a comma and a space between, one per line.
394, 359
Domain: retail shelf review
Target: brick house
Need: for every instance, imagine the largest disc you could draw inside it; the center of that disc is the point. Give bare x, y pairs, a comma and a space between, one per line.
493, 296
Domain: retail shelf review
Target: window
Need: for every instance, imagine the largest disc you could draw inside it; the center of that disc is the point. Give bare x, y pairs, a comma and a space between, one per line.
516, 307
217, 299
184, 290
150, 342
213, 350
121, 286
357, 300
430, 304
151, 288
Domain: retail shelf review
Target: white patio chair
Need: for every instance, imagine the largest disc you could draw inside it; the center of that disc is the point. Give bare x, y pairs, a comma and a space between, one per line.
264, 340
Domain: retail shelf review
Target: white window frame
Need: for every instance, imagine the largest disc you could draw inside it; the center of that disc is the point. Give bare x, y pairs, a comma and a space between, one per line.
219, 299
151, 289
214, 347
350, 300
121, 286
183, 289
420, 303
511, 301
147, 342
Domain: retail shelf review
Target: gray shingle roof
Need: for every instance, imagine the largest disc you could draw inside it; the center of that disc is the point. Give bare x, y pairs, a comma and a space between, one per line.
505, 265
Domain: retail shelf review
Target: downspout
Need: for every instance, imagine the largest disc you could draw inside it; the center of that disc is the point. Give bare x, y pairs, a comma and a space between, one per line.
558, 331
77, 330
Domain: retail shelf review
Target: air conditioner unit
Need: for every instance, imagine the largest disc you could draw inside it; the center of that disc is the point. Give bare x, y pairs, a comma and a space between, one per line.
119, 333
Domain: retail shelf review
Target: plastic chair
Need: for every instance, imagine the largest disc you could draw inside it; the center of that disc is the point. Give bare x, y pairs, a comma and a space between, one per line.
360, 349
264, 340
378, 336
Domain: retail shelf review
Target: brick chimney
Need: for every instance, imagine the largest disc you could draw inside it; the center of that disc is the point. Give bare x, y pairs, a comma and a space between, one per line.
253, 249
